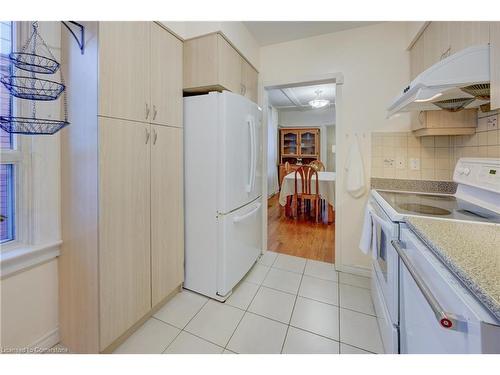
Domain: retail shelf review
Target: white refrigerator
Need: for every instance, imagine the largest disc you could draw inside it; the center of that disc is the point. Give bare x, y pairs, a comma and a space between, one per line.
223, 191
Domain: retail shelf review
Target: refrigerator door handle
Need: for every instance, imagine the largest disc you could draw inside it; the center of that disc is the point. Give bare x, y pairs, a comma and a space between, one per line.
238, 219
252, 156
254, 128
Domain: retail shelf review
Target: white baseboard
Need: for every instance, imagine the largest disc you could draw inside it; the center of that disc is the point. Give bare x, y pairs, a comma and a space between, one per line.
46, 342
355, 270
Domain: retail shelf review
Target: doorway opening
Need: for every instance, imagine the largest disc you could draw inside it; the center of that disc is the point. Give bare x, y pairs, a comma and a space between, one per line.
301, 129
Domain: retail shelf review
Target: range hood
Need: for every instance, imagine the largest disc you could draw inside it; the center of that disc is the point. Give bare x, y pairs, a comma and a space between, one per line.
456, 82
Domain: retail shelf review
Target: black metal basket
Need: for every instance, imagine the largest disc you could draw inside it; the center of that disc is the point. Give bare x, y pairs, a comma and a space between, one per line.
31, 126
34, 63
35, 55
32, 88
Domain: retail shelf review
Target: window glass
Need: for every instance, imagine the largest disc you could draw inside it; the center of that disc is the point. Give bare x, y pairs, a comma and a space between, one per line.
6, 202
6, 139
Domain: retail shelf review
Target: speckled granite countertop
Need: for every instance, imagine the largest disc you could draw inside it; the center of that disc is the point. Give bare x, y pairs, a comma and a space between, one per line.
471, 251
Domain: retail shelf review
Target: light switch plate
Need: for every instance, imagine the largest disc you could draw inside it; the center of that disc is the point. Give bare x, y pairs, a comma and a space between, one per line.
415, 164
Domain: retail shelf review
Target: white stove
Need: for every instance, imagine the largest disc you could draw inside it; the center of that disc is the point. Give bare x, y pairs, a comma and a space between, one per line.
477, 199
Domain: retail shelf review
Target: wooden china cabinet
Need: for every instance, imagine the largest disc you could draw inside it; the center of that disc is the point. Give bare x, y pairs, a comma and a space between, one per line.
298, 146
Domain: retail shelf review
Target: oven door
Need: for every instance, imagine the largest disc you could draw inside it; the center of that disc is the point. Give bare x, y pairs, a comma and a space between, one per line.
386, 265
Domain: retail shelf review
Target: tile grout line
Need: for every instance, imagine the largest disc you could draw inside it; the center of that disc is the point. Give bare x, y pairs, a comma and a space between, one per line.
244, 312
293, 309
338, 312
182, 329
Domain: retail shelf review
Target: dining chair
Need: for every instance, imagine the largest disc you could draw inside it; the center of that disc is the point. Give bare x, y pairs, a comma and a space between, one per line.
306, 173
288, 168
318, 165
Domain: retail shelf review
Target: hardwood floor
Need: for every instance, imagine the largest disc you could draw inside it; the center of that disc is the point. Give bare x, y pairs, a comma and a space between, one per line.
305, 239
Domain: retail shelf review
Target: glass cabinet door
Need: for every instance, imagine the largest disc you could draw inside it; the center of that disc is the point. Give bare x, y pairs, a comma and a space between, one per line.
308, 143
290, 143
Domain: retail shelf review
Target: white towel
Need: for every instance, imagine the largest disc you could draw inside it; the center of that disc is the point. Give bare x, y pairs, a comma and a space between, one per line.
368, 240
355, 174
365, 241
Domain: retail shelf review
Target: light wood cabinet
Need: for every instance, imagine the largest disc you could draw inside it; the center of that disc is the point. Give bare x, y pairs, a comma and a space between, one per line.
229, 66
122, 193
441, 39
140, 73
124, 69
442, 122
167, 214
249, 81
166, 77
124, 226
417, 60
495, 64
211, 63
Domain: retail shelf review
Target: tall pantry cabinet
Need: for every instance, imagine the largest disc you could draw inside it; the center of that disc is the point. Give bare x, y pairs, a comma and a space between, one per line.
122, 182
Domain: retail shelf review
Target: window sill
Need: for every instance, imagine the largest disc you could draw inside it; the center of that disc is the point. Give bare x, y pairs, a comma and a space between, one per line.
18, 257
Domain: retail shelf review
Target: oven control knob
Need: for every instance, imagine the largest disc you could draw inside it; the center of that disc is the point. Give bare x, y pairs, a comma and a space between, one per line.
460, 170
466, 171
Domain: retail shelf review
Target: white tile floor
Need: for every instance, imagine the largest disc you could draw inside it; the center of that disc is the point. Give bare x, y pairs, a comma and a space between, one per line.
284, 305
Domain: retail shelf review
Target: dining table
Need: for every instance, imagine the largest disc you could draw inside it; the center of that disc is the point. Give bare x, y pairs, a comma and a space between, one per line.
326, 189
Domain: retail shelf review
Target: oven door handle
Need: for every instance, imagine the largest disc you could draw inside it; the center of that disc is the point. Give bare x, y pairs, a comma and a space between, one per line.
445, 319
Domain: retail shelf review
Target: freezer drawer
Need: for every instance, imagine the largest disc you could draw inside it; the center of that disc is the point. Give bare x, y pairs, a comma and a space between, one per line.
240, 240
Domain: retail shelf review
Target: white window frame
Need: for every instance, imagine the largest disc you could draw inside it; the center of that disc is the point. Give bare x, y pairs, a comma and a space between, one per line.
20, 157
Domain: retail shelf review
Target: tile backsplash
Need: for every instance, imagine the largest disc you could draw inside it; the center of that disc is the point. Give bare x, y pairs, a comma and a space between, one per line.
401, 155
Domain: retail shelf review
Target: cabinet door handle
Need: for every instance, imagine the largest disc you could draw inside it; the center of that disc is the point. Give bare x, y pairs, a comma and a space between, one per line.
155, 136
243, 89
446, 53
147, 111
148, 134
154, 112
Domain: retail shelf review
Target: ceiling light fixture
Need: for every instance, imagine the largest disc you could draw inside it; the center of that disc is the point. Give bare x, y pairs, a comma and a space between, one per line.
318, 102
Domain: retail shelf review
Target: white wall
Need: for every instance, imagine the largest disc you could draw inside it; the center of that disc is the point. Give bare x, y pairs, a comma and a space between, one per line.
29, 306
375, 66
312, 117
330, 141
29, 303
235, 31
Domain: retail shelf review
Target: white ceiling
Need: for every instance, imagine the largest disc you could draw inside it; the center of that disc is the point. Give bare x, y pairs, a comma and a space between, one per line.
298, 97
272, 32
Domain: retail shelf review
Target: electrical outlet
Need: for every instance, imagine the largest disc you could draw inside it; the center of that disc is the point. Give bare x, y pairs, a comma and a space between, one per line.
415, 164
400, 162
493, 123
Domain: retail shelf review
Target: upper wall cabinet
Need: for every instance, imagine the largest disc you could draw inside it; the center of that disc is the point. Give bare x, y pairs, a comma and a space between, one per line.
495, 64
441, 39
212, 64
124, 69
140, 70
166, 78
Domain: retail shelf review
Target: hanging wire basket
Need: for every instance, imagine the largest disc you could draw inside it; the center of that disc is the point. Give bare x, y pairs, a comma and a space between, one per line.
31, 126
32, 88
34, 63
35, 56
